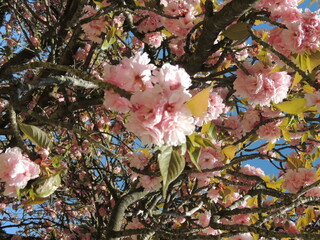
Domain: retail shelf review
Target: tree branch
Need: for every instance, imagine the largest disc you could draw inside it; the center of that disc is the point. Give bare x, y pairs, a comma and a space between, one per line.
213, 24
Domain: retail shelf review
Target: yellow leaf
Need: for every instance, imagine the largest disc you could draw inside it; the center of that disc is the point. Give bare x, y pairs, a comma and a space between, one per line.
205, 127
286, 134
229, 151
266, 178
198, 104
252, 201
263, 56
308, 89
161, 205
296, 80
36, 200
257, 22
167, 33
275, 185
145, 151
303, 62
254, 218
318, 173
265, 36
99, 4
284, 130
294, 106
295, 163
314, 59
305, 136
275, 69
306, 219
255, 236
270, 146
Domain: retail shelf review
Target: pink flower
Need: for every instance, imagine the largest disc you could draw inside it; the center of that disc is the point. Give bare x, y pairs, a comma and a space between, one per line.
82, 54
150, 183
302, 33
215, 108
209, 158
250, 119
138, 161
204, 218
94, 29
314, 192
158, 114
233, 126
115, 102
172, 78
214, 194
180, 27
270, 131
288, 226
132, 74
151, 23
16, 170
277, 8
313, 99
242, 236
153, 39
243, 219
296, 179
135, 224
261, 86
176, 126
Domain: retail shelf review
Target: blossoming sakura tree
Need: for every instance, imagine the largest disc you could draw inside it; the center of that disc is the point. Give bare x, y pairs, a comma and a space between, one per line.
142, 119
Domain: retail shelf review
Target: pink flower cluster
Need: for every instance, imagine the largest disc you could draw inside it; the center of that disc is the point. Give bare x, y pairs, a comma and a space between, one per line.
158, 114
261, 86
186, 10
296, 179
209, 158
94, 28
302, 33
279, 8
16, 170
313, 99
215, 108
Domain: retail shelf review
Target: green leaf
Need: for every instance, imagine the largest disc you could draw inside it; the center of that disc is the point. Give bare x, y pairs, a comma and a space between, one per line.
199, 141
36, 135
171, 165
238, 31
194, 154
44, 186
110, 38
56, 161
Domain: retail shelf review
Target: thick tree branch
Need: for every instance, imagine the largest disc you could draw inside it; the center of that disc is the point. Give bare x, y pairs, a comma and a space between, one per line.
118, 212
213, 24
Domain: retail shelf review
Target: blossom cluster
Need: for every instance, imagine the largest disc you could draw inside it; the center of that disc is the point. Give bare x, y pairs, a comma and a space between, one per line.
16, 170
302, 32
261, 86
158, 114
149, 24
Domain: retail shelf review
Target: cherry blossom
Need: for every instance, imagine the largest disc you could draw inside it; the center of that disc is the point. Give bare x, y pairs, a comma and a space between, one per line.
16, 170
261, 86
296, 179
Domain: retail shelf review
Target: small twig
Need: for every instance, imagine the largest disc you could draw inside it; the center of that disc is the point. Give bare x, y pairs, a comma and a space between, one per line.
16, 132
